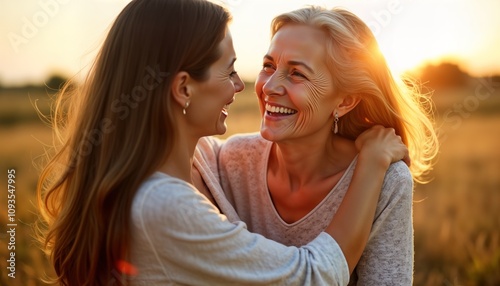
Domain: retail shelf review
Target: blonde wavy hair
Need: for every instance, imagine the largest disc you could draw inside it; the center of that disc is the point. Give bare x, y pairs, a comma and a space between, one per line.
358, 68
116, 129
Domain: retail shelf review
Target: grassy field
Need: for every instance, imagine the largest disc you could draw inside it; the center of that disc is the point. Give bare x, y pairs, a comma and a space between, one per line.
456, 215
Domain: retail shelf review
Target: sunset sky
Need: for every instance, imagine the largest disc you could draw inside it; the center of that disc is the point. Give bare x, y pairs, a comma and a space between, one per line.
42, 37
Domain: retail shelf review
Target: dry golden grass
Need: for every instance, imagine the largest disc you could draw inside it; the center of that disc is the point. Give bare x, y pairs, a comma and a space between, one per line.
19, 147
456, 215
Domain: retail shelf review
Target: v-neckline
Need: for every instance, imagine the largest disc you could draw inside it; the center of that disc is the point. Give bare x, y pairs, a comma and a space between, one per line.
267, 154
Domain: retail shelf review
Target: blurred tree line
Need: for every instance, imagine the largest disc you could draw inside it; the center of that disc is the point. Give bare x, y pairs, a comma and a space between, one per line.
441, 76
445, 75
51, 85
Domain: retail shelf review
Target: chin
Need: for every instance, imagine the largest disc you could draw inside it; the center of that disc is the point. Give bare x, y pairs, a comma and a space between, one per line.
274, 134
221, 130
266, 134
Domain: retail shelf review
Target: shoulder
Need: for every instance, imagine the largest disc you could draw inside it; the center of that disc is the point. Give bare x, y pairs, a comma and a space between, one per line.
210, 141
207, 153
162, 196
394, 208
246, 139
398, 172
244, 143
209, 146
158, 189
398, 182
240, 154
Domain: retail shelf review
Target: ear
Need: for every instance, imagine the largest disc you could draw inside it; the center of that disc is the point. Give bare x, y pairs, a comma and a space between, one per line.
347, 104
181, 91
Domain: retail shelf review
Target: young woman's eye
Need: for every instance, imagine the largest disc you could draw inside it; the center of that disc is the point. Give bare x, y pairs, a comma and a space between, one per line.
233, 73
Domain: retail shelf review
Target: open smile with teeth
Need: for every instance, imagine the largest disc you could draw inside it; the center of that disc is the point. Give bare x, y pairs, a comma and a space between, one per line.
279, 110
226, 107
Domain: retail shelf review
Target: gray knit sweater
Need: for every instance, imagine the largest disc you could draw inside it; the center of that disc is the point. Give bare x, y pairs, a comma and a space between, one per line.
180, 238
388, 256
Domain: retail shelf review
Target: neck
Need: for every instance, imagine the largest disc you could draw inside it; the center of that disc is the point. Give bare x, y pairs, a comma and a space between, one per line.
304, 161
180, 160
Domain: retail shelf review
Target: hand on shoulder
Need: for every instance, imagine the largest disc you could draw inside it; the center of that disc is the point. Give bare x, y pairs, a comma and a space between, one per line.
382, 146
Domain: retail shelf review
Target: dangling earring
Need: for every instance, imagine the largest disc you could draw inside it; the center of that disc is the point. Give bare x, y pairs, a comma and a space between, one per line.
185, 107
335, 123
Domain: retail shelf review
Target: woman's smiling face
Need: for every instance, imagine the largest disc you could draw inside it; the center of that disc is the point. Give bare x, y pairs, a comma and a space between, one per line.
209, 108
294, 88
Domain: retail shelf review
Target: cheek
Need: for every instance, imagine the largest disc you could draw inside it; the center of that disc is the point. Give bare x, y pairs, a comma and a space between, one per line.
223, 90
317, 104
262, 78
213, 96
320, 93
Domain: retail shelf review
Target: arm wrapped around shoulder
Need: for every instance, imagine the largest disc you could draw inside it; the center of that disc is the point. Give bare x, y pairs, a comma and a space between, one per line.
388, 256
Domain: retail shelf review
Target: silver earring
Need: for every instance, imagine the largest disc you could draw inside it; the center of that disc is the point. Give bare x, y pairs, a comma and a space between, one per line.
335, 123
186, 105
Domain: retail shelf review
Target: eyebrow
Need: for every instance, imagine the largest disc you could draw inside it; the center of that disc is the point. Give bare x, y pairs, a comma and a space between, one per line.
232, 63
293, 63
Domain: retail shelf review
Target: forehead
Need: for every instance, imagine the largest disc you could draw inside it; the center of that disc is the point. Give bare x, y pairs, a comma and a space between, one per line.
226, 47
298, 41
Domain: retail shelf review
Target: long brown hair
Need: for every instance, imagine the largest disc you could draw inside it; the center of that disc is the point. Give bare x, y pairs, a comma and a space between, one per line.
116, 129
358, 68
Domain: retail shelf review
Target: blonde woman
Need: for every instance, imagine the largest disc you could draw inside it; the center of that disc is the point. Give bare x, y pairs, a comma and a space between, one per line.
323, 83
118, 196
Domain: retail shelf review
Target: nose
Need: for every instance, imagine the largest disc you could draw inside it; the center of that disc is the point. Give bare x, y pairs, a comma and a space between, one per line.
273, 85
239, 85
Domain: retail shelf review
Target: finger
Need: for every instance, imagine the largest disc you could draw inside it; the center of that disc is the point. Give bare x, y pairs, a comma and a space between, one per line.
407, 160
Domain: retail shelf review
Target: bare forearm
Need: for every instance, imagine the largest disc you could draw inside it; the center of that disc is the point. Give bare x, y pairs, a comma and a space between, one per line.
352, 223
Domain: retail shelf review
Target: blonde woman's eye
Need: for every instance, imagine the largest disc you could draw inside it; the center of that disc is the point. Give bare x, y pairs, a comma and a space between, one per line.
233, 73
297, 73
268, 67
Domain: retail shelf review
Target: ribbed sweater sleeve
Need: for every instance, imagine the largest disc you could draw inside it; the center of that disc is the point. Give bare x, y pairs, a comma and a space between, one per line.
388, 256
180, 238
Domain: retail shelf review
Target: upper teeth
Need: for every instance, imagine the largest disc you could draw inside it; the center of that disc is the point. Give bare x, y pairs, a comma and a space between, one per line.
277, 109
